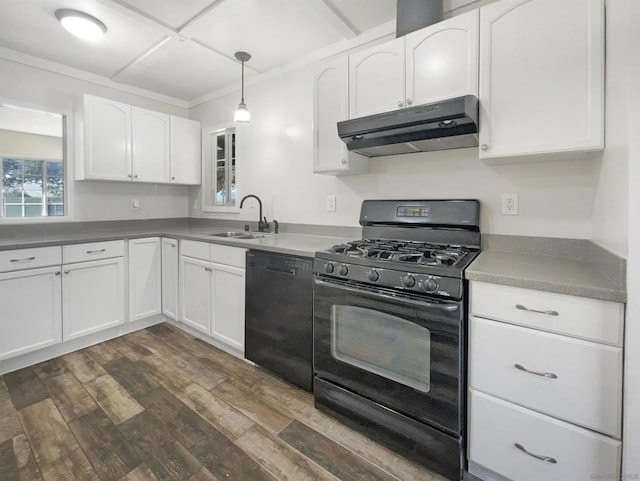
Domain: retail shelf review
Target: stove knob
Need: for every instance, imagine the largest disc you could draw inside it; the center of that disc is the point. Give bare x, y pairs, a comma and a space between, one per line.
373, 275
430, 285
328, 267
408, 281
344, 270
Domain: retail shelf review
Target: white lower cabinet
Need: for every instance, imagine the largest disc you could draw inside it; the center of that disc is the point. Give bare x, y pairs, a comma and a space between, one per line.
523, 445
145, 282
212, 291
93, 292
545, 385
170, 269
30, 310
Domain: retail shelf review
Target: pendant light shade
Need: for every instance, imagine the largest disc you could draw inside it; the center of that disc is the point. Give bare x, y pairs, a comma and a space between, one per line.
81, 24
242, 114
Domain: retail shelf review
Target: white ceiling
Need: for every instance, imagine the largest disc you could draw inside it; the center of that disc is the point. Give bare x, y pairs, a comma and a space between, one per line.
185, 49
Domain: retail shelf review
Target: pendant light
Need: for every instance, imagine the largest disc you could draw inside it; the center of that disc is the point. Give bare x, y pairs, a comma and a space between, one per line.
81, 24
242, 114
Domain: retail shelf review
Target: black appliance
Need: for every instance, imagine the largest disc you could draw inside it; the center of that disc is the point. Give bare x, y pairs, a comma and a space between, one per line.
390, 321
448, 124
278, 318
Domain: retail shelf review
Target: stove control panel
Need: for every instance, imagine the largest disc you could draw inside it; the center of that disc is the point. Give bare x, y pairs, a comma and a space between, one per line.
442, 286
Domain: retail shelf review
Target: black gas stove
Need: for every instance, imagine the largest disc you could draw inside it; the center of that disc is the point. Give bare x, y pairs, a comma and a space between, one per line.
389, 327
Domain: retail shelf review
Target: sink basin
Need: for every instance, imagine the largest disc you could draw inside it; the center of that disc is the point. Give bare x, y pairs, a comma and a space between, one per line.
229, 234
239, 235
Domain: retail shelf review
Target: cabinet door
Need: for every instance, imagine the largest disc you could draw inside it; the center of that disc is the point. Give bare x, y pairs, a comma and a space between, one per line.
376, 79
30, 310
195, 293
170, 278
442, 60
107, 139
186, 151
541, 77
228, 305
144, 278
93, 296
330, 106
150, 145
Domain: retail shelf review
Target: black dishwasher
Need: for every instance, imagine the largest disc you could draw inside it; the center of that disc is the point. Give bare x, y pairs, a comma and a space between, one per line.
278, 315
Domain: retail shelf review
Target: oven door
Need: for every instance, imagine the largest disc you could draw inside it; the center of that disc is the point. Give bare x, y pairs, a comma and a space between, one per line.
400, 350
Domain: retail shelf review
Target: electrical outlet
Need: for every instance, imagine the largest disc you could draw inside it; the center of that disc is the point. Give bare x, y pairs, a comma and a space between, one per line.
509, 204
135, 204
331, 203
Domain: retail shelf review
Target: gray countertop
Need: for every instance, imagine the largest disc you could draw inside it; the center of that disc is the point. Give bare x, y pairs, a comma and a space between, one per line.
564, 266
287, 243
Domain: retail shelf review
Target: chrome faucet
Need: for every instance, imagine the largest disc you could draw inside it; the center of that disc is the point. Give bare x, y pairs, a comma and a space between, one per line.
262, 224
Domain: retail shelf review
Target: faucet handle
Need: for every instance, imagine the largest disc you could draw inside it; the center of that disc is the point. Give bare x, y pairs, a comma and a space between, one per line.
263, 224
275, 226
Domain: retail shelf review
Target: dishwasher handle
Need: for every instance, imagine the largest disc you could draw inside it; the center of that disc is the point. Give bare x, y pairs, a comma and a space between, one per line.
282, 270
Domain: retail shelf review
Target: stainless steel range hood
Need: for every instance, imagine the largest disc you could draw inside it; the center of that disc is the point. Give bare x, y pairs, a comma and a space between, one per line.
449, 124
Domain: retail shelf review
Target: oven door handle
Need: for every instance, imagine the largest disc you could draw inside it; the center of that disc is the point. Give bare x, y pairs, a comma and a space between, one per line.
430, 305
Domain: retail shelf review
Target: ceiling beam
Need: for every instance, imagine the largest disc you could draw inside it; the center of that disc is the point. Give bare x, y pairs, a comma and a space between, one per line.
335, 18
200, 14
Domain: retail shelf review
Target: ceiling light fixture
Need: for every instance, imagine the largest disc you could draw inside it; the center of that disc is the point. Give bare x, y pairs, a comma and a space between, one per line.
242, 114
81, 24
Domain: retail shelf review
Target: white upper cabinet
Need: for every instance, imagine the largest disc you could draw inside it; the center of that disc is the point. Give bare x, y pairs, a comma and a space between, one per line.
430, 64
376, 79
330, 106
150, 145
125, 143
186, 145
442, 60
107, 140
541, 78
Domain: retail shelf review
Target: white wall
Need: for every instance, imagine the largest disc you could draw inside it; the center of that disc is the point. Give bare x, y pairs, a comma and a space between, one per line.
94, 200
275, 162
22, 144
611, 200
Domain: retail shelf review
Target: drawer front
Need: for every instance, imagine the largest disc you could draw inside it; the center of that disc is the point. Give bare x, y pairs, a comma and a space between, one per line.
17, 259
496, 426
586, 389
581, 317
231, 256
92, 251
197, 250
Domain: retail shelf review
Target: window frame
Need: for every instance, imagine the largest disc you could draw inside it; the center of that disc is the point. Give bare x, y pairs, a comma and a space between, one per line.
208, 187
67, 161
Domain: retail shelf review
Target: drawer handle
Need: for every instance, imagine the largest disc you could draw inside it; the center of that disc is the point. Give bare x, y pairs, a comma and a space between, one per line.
26, 259
547, 459
548, 375
548, 313
98, 251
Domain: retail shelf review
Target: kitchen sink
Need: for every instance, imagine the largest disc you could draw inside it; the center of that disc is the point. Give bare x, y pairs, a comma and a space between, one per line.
239, 235
229, 234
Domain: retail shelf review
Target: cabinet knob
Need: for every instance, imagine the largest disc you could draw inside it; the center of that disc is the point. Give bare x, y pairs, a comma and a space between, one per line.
57, 273
343, 161
173, 178
400, 104
67, 271
484, 147
129, 175
135, 176
409, 102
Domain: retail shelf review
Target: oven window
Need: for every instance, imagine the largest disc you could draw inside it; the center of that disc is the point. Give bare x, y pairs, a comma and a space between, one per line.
383, 344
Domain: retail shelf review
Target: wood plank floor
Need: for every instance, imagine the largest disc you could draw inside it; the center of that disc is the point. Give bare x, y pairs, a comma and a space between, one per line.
161, 405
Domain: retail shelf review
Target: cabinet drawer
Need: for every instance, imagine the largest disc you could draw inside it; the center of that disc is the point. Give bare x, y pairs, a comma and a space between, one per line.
197, 250
496, 427
231, 256
92, 251
587, 389
581, 317
17, 259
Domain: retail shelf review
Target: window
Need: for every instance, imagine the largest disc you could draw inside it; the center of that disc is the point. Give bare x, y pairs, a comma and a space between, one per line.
219, 186
32, 188
31, 163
